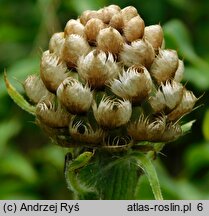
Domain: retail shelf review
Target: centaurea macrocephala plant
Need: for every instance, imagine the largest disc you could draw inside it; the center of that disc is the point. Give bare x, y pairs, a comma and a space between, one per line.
110, 93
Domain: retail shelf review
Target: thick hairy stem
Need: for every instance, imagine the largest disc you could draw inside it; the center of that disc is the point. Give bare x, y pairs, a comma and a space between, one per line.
109, 176
71, 175
145, 163
120, 181
114, 177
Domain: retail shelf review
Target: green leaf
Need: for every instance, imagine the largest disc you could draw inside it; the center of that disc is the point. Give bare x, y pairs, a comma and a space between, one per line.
177, 37
145, 163
71, 167
9, 32
205, 126
20, 70
196, 76
182, 4
8, 129
86, 5
197, 157
80, 161
187, 126
18, 98
51, 154
178, 188
16, 164
189, 191
11, 189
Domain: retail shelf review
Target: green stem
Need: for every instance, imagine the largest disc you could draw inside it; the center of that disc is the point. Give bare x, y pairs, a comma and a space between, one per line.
71, 176
120, 183
74, 184
145, 163
110, 176
114, 176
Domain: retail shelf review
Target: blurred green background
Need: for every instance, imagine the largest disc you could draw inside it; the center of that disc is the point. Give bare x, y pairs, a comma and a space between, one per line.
31, 167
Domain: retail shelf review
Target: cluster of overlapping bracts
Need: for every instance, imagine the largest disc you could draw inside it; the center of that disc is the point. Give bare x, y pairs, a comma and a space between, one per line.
108, 82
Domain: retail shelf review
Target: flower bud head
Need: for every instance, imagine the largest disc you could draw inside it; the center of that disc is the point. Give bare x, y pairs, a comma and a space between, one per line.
74, 47
76, 98
74, 27
110, 40
135, 84
114, 75
97, 68
92, 28
154, 34
134, 29
52, 71
164, 66
112, 113
140, 52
